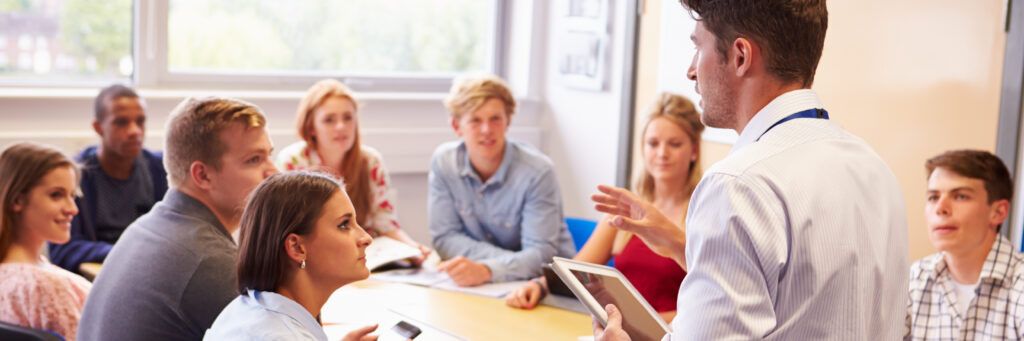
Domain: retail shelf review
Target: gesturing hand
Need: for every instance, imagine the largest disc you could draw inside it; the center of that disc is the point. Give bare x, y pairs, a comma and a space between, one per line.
632, 214
465, 272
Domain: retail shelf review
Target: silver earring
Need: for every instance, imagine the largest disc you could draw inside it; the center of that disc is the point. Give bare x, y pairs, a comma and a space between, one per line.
303, 264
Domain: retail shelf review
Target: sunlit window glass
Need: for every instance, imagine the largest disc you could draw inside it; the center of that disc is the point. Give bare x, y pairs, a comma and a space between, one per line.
354, 37
65, 41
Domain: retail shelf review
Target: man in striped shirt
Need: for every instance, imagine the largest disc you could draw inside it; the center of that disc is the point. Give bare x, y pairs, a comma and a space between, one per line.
972, 288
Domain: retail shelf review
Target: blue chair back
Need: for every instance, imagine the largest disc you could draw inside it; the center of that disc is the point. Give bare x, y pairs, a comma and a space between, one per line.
580, 229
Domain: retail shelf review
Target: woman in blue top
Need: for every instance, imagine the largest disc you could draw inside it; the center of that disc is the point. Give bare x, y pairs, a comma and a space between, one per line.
299, 243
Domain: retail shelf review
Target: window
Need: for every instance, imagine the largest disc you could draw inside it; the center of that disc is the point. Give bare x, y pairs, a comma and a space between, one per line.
66, 41
412, 45
393, 45
395, 36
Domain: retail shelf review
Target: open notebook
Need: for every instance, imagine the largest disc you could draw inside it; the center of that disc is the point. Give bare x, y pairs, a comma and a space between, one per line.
388, 251
428, 276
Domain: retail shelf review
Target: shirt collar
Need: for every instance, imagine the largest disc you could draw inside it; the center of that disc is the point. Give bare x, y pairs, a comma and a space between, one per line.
277, 303
466, 169
182, 202
999, 259
997, 263
780, 107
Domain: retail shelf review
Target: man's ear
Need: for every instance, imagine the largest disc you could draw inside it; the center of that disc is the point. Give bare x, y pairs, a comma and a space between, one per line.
295, 248
199, 172
97, 128
454, 122
999, 211
742, 56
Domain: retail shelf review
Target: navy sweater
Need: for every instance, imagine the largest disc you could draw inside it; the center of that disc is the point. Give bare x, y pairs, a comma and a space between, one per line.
84, 246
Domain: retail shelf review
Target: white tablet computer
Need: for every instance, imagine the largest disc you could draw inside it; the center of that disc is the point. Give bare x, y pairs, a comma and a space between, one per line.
597, 286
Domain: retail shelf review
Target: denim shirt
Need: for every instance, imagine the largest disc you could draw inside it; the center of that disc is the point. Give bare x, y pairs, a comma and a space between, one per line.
265, 315
512, 223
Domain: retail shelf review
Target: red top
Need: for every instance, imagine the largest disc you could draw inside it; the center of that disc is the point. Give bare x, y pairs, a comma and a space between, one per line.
656, 277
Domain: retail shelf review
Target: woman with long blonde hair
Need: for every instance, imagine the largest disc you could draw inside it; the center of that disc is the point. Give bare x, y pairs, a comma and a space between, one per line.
671, 153
327, 120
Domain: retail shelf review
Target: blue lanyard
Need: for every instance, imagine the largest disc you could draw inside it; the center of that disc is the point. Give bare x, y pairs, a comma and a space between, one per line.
809, 113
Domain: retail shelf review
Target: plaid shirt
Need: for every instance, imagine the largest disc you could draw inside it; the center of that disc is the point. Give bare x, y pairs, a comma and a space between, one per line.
996, 313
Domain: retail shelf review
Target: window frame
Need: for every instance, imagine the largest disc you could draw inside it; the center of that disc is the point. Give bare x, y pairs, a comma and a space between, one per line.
149, 51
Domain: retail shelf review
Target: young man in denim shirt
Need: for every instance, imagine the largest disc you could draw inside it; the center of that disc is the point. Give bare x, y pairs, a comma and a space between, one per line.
494, 205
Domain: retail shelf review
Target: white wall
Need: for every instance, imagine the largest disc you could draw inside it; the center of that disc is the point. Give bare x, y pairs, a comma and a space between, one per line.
582, 127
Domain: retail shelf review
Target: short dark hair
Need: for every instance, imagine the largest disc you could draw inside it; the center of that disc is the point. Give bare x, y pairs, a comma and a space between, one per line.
790, 32
110, 93
283, 204
976, 164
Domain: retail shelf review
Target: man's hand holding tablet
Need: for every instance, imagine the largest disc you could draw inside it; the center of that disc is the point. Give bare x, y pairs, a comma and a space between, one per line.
598, 287
613, 331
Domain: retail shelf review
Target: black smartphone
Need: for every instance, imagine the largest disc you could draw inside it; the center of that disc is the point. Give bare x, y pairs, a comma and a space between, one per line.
406, 330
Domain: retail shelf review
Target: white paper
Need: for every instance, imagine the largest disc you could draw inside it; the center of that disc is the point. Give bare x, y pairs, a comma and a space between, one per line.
440, 280
495, 290
385, 250
422, 277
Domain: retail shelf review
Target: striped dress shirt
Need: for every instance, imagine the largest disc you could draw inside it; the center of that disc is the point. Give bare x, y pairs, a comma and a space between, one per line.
800, 233
996, 313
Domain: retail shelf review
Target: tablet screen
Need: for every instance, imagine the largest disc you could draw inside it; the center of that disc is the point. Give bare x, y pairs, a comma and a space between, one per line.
609, 290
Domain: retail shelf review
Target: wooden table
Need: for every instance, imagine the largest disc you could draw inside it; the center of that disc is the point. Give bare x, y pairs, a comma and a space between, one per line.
90, 270
460, 315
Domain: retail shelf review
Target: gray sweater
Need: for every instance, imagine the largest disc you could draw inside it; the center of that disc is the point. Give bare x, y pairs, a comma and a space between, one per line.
167, 278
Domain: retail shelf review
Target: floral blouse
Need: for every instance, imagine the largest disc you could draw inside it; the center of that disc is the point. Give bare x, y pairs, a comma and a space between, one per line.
382, 217
42, 297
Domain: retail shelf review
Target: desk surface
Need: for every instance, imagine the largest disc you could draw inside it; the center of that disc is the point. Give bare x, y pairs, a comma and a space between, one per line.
466, 316
90, 270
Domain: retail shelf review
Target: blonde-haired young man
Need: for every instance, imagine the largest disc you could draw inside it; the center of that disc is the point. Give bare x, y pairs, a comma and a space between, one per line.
173, 270
495, 211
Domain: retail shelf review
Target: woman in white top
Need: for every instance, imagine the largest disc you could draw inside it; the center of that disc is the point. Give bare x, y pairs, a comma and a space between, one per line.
327, 120
300, 241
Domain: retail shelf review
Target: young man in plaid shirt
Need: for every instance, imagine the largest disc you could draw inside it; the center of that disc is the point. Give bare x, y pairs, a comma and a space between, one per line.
973, 288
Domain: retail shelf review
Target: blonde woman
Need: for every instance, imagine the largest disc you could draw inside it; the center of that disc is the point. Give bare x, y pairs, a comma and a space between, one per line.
37, 191
328, 122
671, 152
